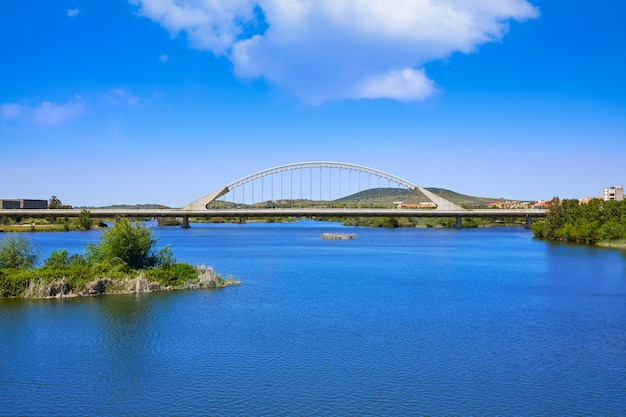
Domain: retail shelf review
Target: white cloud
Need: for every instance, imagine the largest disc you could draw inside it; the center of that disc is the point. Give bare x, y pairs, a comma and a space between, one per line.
210, 24
164, 58
73, 12
11, 110
339, 49
113, 96
406, 85
45, 113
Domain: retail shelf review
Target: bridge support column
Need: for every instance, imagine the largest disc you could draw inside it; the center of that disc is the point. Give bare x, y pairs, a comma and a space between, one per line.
185, 224
529, 222
459, 223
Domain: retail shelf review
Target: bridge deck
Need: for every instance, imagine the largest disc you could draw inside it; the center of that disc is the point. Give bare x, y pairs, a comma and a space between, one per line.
278, 212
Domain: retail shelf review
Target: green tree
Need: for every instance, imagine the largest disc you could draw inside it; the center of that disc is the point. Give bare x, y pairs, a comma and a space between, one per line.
58, 259
165, 257
537, 228
84, 219
131, 242
553, 220
611, 211
571, 211
592, 211
583, 223
54, 203
16, 253
612, 230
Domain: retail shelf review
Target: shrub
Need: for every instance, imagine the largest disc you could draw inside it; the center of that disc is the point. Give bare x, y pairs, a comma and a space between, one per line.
58, 259
175, 275
13, 282
84, 219
611, 231
131, 242
165, 257
16, 253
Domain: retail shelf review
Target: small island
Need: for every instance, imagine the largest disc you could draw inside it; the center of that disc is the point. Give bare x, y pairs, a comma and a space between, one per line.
338, 236
123, 261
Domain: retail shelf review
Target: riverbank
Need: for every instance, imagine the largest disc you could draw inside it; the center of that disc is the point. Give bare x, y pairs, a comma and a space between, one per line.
45, 287
46, 227
613, 244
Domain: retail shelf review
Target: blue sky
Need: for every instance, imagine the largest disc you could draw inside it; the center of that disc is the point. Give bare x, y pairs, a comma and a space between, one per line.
163, 101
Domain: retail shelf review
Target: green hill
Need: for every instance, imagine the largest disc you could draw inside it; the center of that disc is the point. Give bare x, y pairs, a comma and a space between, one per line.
409, 196
129, 207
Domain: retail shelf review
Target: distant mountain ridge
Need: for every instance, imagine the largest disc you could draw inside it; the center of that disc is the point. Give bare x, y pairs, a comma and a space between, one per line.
401, 194
460, 199
396, 194
128, 207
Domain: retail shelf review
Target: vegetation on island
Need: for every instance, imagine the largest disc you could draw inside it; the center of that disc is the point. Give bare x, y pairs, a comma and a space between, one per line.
123, 261
597, 222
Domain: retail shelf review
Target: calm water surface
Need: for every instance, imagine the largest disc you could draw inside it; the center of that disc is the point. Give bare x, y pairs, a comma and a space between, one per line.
395, 323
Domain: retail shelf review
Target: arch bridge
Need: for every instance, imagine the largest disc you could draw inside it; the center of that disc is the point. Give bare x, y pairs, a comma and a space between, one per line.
321, 184
307, 189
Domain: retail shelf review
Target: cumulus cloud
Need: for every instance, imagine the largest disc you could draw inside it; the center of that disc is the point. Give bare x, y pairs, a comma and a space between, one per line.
407, 85
73, 12
210, 24
338, 49
45, 113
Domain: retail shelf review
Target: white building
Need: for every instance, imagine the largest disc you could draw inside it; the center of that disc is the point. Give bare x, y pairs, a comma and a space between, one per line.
613, 193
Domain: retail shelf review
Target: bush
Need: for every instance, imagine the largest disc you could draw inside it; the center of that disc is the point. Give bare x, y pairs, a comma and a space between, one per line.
16, 253
165, 257
84, 219
174, 275
131, 242
114, 268
58, 259
13, 282
612, 231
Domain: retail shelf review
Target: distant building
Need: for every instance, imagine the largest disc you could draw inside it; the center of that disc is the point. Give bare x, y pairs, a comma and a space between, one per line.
541, 204
21, 203
505, 204
586, 200
613, 193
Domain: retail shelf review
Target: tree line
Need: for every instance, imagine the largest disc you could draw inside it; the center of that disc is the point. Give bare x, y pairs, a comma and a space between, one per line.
570, 221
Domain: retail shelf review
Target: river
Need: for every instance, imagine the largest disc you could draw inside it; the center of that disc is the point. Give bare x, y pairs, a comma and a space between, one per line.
398, 322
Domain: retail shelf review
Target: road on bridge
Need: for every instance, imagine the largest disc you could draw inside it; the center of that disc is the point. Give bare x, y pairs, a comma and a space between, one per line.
277, 212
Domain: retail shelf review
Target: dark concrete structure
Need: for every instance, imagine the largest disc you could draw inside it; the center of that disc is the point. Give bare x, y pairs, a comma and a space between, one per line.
24, 204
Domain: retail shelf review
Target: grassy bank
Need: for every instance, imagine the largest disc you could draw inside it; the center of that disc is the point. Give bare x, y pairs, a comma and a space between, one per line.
615, 244
95, 280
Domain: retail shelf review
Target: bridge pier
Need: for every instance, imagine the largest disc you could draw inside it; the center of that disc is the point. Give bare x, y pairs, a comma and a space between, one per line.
459, 223
185, 224
529, 222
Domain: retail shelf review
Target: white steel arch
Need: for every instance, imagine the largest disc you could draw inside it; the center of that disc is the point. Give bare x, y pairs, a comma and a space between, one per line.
201, 203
